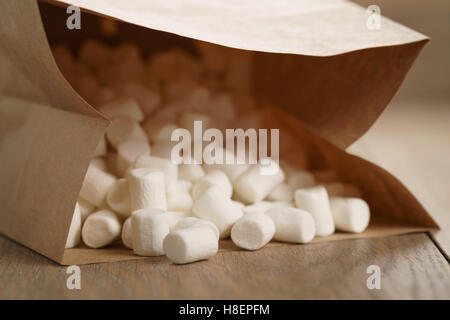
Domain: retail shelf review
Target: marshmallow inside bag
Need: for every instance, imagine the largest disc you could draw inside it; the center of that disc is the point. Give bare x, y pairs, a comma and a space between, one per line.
191, 244
149, 228
100, 163
282, 192
214, 205
127, 235
350, 214
233, 170
315, 200
122, 129
292, 224
190, 172
179, 197
263, 206
86, 208
122, 107
300, 179
101, 148
127, 153
147, 189
100, 229
188, 222
74, 235
213, 178
253, 231
96, 185
118, 198
173, 217
187, 120
169, 169
254, 185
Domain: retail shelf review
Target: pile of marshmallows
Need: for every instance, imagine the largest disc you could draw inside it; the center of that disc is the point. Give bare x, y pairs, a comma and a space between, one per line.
132, 189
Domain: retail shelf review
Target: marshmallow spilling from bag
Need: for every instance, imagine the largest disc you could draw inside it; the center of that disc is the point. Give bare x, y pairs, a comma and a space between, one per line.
315, 201
194, 243
147, 189
96, 185
292, 224
149, 228
215, 205
100, 229
133, 191
127, 153
253, 231
254, 185
350, 214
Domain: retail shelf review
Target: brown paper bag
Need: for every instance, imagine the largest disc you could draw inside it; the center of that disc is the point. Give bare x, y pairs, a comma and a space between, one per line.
324, 84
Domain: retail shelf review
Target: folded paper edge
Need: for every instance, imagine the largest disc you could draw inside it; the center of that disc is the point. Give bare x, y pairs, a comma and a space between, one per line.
86, 7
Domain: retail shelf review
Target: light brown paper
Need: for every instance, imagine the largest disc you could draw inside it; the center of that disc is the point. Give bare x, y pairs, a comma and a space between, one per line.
48, 136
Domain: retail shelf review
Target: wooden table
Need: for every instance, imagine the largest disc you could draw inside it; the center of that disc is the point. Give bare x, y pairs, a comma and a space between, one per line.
411, 268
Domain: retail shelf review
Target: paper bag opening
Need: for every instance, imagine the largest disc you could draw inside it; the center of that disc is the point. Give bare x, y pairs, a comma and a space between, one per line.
336, 98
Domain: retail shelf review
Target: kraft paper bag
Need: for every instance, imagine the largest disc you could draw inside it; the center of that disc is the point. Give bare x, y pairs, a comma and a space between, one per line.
321, 76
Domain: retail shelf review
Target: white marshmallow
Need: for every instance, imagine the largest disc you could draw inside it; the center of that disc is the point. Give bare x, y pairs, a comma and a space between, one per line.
100, 163
282, 192
253, 231
300, 179
238, 204
292, 225
254, 186
122, 129
94, 53
198, 101
233, 171
148, 100
214, 205
315, 201
96, 185
169, 169
350, 214
127, 235
163, 149
147, 189
179, 197
162, 132
263, 206
127, 153
190, 172
149, 228
191, 244
163, 116
122, 107
173, 217
100, 229
118, 198
103, 96
74, 235
189, 222
187, 121
86, 208
101, 148
213, 178
338, 189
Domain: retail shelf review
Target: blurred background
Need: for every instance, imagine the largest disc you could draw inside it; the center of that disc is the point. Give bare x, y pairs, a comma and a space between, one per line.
412, 137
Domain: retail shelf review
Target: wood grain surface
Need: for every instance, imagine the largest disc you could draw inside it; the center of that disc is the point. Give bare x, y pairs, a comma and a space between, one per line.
411, 268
